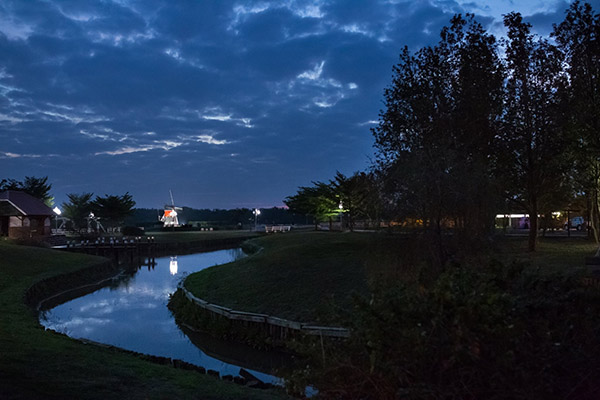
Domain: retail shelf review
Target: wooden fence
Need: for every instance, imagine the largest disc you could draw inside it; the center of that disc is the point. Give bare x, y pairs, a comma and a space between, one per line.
277, 328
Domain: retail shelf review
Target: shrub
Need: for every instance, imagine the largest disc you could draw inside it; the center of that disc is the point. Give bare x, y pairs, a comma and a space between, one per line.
505, 332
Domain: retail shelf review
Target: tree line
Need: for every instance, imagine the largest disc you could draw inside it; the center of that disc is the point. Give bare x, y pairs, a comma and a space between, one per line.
471, 127
344, 197
111, 210
475, 126
217, 218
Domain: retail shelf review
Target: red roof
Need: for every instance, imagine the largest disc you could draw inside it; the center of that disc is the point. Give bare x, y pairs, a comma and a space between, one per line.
25, 203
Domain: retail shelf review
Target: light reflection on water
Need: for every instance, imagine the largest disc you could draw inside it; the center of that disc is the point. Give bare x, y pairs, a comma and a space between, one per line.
132, 312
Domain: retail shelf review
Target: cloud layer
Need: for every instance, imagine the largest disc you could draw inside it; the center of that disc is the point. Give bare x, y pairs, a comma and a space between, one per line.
228, 104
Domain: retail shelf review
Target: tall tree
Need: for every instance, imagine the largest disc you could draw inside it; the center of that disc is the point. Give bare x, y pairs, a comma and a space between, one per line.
476, 77
318, 201
112, 210
347, 190
435, 139
578, 36
358, 196
78, 209
413, 149
534, 161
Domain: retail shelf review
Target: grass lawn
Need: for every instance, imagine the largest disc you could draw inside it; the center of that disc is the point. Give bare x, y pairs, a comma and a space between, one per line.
37, 364
300, 276
303, 276
553, 252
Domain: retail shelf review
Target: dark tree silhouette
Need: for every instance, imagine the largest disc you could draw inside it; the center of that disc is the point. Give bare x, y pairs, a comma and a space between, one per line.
78, 209
112, 210
578, 36
435, 138
318, 201
534, 163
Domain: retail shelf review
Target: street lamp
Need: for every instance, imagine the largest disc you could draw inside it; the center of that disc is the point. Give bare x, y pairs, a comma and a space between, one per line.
58, 213
256, 213
341, 207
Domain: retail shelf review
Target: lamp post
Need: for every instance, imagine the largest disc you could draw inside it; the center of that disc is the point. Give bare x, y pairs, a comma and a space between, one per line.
256, 214
58, 213
341, 207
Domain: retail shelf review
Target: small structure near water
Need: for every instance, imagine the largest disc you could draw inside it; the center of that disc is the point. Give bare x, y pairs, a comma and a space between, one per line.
23, 216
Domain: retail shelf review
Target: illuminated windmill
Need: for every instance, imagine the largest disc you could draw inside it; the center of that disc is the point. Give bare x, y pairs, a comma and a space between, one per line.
169, 217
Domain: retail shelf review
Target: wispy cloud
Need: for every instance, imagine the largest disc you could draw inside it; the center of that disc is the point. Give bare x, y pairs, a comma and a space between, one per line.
370, 122
73, 118
17, 155
210, 140
302, 9
216, 114
14, 29
11, 119
139, 143
357, 28
176, 55
120, 39
313, 74
163, 145
324, 92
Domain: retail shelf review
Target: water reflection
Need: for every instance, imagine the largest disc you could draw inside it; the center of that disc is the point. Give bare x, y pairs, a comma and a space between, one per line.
131, 312
173, 265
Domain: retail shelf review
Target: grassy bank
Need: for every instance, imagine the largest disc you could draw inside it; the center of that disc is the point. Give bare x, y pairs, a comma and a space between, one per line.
39, 364
303, 276
554, 253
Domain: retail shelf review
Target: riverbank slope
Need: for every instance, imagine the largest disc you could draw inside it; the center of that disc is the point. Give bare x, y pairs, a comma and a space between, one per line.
308, 276
40, 364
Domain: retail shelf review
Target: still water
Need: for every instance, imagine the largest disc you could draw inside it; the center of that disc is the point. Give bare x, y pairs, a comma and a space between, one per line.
131, 313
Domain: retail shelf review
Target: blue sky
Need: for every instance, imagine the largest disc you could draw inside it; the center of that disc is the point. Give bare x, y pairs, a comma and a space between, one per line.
227, 103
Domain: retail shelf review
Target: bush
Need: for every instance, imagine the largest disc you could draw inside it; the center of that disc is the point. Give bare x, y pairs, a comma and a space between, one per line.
506, 332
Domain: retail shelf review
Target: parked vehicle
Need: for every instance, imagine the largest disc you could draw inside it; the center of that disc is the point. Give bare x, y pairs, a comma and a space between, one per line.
577, 223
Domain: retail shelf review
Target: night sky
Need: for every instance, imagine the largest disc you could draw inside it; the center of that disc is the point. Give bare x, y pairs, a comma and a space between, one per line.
227, 103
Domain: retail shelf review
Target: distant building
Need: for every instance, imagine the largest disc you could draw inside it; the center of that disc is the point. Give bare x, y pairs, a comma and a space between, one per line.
22, 216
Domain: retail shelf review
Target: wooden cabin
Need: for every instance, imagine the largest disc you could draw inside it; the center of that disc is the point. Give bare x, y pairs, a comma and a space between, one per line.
23, 216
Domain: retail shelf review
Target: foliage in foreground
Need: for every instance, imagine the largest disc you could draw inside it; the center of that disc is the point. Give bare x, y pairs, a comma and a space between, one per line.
499, 333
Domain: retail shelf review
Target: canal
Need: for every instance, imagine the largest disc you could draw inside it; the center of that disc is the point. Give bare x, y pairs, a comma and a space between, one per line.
131, 312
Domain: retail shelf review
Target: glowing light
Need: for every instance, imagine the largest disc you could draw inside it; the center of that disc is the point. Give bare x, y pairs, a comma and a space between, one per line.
512, 215
57, 211
173, 266
170, 213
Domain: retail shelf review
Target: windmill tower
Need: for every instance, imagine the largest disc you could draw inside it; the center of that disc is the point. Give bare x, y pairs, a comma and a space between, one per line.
169, 217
